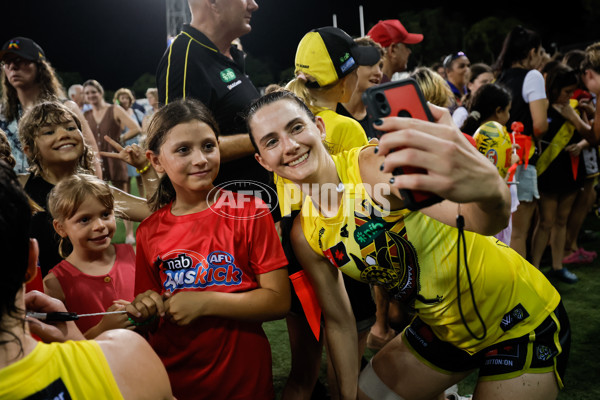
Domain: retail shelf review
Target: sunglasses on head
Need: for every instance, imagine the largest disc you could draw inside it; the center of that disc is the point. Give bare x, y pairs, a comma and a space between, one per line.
451, 57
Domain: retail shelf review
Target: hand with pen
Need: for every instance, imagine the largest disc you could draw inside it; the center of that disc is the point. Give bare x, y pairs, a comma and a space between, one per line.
58, 331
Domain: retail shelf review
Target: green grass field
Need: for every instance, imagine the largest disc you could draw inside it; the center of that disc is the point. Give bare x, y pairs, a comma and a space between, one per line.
580, 300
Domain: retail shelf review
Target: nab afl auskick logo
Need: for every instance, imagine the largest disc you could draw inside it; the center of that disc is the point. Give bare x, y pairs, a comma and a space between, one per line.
492, 155
226, 197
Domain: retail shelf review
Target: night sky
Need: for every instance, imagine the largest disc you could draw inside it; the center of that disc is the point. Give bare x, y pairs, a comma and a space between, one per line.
116, 41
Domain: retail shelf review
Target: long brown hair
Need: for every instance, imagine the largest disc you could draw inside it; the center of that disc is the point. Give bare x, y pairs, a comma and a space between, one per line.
178, 112
47, 81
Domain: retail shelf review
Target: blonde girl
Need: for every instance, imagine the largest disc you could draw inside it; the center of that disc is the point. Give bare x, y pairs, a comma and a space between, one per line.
95, 275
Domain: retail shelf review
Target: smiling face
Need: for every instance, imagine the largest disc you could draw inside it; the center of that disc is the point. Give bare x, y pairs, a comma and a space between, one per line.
189, 156
57, 144
124, 101
289, 142
91, 228
92, 95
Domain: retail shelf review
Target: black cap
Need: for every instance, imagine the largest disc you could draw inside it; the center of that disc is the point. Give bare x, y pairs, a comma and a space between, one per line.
24, 48
327, 47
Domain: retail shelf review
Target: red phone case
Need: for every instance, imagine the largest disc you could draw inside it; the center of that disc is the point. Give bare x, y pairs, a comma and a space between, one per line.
401, 98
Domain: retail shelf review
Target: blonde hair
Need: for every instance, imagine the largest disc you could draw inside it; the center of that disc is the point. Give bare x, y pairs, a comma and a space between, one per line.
69, 194
152, 91
434, 87
310, 96
126, 92
592, 58
45, 114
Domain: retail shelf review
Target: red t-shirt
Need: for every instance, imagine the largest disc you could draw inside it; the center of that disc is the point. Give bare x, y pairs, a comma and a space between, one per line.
86, 294
221, 249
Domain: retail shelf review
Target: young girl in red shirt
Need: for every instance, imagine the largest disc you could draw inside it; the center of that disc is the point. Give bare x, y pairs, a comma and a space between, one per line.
210, 268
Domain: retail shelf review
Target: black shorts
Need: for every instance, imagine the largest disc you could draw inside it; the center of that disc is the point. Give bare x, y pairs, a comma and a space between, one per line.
359, 293
544, 350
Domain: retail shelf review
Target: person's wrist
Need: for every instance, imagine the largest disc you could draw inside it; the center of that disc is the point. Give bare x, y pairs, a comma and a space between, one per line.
144, 169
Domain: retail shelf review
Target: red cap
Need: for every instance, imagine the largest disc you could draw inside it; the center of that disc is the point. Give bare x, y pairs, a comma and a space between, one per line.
391, 31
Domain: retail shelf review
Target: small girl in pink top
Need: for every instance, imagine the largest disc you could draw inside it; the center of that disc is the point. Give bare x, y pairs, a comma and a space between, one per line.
95, 275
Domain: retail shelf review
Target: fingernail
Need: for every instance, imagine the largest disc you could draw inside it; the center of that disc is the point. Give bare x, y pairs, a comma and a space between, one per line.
378, 122
381, 167
392, 179
376, 149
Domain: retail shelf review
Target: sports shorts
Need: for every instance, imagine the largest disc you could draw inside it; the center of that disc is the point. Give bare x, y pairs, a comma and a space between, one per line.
545, 349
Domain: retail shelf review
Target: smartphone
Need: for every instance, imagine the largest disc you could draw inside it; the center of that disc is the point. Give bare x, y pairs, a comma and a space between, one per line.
401, 98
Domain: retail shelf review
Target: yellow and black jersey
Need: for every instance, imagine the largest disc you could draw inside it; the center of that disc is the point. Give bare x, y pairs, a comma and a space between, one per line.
414, 257
193, 67
70, 370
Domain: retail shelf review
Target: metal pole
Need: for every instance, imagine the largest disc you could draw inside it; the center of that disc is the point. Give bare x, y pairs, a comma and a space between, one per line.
335, 20
362, 20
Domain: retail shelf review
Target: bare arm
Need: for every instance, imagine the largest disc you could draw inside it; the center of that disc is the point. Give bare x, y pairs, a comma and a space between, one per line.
52, 287
138, 371
539, 116
456, 171
340, 325
581, 124
135, 156
596, 126
126, 121
269, 301
233, 147
111, 321
134, 208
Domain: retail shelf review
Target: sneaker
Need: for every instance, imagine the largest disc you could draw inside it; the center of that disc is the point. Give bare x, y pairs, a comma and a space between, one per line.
584, 252
577, 258
456, 396
564, 275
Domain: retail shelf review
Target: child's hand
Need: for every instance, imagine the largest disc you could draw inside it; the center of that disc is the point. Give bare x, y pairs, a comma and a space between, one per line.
116, 321
574, 149
514, 159
132, 154
146, 305
184, 307
586, 107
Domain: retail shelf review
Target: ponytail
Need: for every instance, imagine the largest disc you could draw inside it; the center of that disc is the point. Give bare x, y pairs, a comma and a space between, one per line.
165, 193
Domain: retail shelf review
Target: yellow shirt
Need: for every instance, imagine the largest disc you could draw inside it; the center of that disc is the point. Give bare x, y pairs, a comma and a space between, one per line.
75, 368
414, 258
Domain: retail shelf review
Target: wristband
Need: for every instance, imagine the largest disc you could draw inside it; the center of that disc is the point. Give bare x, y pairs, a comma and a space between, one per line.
146, 167
146, 322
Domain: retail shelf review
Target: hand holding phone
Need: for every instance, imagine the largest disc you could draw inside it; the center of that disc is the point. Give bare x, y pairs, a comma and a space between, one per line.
401, 98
